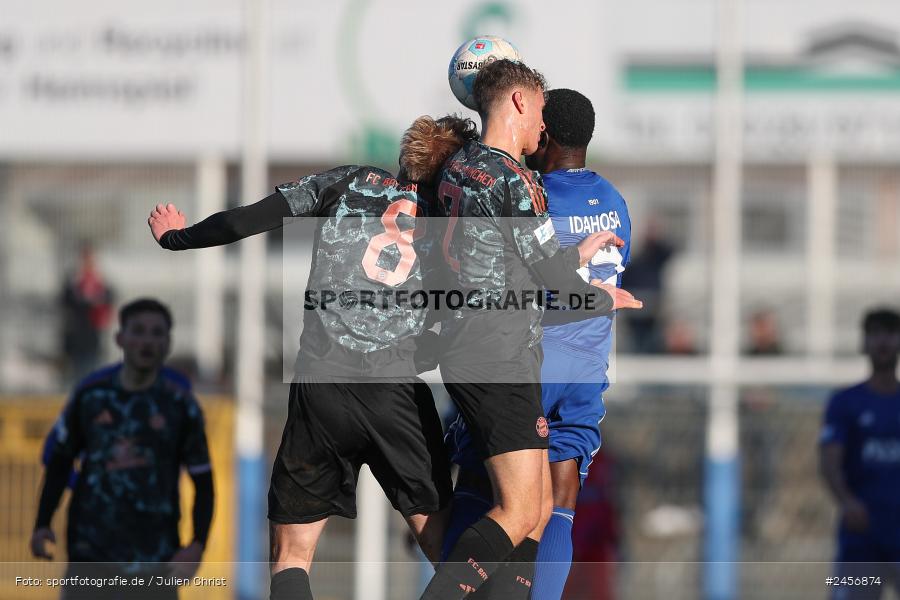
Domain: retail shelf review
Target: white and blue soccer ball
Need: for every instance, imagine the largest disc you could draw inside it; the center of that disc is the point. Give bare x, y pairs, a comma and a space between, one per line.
470, 57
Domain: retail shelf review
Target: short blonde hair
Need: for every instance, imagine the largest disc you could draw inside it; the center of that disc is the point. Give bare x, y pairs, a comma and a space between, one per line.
427, 144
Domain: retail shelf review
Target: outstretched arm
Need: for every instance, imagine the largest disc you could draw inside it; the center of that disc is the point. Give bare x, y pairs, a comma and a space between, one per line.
167, 224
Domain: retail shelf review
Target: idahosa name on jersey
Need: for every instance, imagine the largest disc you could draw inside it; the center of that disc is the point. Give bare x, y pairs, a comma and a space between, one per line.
595, 223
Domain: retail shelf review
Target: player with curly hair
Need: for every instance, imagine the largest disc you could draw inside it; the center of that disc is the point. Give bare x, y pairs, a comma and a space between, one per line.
355, 398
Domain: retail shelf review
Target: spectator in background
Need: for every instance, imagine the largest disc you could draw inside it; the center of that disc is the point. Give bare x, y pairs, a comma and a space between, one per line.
758, 438
86, 310
644, 278
132, 427
765, 337
595, 535
679, 338
860, 462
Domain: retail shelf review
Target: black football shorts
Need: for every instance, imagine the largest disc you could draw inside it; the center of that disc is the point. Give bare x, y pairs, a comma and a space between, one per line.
500, 417
333, 428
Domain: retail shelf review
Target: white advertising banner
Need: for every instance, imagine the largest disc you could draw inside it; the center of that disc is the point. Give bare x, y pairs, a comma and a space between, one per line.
162, 80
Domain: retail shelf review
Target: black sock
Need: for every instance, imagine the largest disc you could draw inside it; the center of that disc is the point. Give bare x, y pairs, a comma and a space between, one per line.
481, 549
513, 580
290, 584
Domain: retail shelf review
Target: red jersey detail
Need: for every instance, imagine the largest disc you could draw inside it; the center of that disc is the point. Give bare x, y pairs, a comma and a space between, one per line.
538, 198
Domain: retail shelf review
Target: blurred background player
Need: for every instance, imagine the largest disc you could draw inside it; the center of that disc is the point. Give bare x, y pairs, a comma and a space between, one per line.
597, 536
492, 359
355, 399
860, 462
576, 351
132, 426
647, 332
86, 304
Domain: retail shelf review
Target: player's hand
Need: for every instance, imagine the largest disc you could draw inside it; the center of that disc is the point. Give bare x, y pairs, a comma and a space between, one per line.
590, 245
856, 517
163, 218
40, 540
186, 561
621, 298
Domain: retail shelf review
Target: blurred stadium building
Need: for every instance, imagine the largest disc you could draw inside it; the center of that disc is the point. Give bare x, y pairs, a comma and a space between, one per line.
109, 109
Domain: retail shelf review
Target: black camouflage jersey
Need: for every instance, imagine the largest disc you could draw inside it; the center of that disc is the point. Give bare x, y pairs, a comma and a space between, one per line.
366, 262
497, 227
132, 446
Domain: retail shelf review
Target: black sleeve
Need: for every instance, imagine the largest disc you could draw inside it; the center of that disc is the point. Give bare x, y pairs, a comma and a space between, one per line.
230, 225
56, 476
203, 505
428, 350
63, 445
557, 274
307, 196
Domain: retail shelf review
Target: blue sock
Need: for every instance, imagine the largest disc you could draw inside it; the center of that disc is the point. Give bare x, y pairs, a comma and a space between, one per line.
554, 556
468, 508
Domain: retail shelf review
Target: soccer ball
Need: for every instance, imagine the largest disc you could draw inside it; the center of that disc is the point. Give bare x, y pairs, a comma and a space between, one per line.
470, 57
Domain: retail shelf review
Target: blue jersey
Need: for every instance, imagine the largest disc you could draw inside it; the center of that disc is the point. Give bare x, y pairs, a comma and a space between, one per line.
867, 425
580, 203
576, 354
